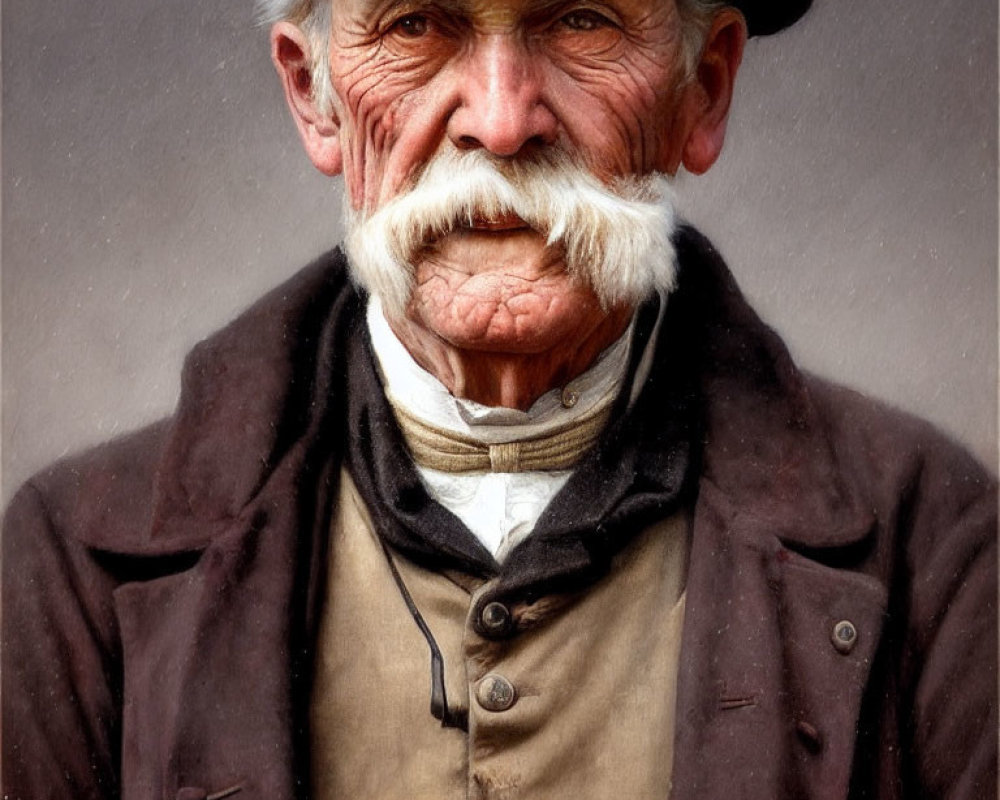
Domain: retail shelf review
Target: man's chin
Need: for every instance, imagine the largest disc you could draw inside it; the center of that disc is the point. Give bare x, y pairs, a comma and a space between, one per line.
504, 311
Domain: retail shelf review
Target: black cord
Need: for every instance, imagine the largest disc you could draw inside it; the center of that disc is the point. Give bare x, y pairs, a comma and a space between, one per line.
439, 698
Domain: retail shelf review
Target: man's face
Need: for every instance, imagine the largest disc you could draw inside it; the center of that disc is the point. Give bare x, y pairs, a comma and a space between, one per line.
603, 85
508, 76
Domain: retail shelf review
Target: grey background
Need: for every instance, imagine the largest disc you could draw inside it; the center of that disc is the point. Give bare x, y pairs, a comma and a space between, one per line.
153, 187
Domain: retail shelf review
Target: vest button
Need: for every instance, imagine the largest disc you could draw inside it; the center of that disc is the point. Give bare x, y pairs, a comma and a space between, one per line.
495, 619
844, 636
495, 693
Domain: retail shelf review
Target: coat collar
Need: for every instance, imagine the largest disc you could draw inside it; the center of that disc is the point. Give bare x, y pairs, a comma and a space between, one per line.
272, 381
766, 449
257, 391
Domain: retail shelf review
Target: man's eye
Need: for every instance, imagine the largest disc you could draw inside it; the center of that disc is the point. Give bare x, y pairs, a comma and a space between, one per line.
584, 20
411, 26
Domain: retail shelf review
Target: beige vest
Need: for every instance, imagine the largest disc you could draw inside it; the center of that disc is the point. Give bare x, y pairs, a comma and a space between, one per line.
579, 703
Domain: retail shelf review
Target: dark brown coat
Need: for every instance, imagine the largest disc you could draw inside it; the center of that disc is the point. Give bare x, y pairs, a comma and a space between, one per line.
160, 593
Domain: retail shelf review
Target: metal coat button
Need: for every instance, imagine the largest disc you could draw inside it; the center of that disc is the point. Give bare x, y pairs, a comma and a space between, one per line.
844, 636
495, 619
495, 693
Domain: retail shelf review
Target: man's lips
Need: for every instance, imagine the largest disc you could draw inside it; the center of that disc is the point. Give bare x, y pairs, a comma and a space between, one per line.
502, 223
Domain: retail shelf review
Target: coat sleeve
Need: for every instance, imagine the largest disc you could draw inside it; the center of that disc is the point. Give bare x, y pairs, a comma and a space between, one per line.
950, 653
61, 662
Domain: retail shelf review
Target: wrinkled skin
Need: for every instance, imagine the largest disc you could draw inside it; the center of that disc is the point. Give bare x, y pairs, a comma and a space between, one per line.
494, 314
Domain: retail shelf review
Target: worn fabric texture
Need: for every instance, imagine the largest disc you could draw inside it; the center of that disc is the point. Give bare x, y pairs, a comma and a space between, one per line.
161, 594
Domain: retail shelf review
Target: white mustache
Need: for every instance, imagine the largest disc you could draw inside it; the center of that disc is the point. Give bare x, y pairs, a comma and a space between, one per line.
615, 239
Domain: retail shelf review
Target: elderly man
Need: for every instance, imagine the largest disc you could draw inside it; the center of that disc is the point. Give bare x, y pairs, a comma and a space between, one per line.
514, 496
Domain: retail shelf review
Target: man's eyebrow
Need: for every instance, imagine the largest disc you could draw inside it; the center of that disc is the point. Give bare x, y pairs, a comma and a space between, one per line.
369, 7
452, 6
456, 7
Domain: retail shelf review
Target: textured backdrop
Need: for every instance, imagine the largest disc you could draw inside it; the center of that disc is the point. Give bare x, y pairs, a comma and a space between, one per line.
152, 187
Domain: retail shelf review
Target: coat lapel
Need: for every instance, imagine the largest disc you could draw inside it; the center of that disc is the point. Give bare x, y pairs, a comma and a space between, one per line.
214, 662
768, 702
218, 657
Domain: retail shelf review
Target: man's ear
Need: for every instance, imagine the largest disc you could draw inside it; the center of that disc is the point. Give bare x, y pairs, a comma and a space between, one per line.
711, 90
319, 128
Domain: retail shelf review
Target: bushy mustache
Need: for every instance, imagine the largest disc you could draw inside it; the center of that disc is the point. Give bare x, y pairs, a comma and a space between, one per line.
615, 239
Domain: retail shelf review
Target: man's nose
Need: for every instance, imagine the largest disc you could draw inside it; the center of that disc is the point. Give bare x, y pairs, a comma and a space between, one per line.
502, 108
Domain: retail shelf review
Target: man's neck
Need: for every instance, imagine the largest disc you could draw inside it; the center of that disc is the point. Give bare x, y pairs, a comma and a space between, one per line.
508, 379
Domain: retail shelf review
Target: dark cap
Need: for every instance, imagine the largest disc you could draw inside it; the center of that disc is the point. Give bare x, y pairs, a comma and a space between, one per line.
770, 16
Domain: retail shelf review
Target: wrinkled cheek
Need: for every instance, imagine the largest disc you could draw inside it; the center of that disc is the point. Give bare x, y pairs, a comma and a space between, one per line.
365, 167
616, 140
367, 143
366, 135
638, 128
637, 96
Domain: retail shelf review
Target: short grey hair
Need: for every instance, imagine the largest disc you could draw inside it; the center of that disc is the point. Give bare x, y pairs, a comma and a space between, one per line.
696, 17
313, 17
